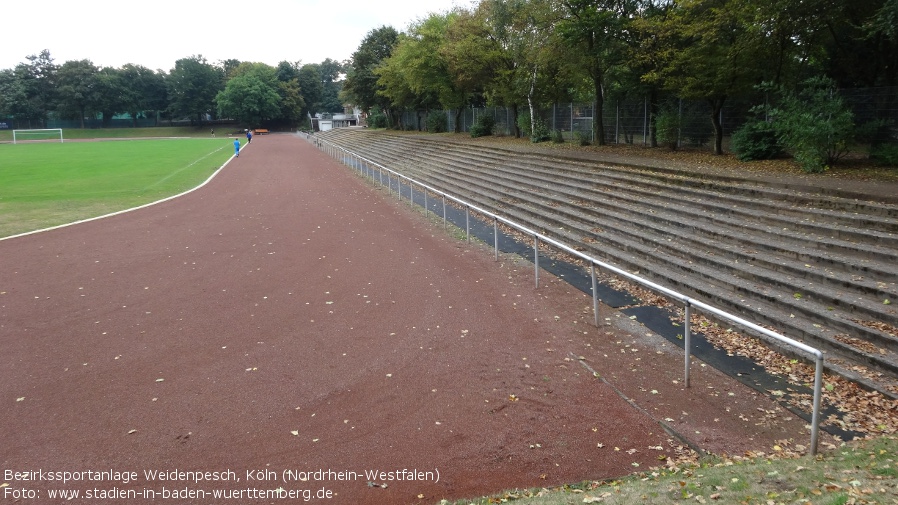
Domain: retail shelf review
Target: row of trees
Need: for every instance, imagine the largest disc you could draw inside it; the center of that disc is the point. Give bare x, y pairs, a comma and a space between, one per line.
525, 54
252, 93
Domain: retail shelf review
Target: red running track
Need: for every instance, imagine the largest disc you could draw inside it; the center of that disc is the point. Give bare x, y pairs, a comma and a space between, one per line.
288, 316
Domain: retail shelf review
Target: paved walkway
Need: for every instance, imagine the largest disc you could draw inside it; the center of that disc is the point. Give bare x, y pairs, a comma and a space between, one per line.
288, 316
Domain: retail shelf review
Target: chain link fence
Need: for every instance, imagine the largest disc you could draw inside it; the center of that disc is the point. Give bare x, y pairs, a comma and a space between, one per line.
626, 121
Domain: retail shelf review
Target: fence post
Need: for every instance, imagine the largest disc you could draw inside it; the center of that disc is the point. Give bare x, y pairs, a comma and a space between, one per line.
592, 127
680, 124
645, 121
617, 121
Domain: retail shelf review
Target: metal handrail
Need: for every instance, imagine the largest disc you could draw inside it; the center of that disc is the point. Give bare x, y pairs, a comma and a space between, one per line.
334, 150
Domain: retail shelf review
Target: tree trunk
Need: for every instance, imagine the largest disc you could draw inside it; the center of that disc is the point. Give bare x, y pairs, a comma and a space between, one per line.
514, 117
533, 134
598, 123
458, 113
716, 107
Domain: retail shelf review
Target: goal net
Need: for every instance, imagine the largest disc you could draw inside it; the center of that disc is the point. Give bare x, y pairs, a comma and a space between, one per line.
45, 134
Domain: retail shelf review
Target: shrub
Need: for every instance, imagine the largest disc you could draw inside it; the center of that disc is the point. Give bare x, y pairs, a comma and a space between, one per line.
815, 125
667, 128
886, 154
377, 120
756, 140
524, 123
483, 126
581, 138
557, 137
436, 122
540, 131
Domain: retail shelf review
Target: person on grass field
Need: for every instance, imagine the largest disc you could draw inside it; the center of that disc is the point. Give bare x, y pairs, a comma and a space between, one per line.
237, 147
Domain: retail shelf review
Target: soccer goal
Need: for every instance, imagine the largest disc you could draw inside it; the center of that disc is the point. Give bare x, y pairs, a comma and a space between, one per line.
51, 134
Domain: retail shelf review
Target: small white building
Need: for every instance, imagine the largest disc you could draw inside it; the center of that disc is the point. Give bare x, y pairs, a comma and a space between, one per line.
327, 121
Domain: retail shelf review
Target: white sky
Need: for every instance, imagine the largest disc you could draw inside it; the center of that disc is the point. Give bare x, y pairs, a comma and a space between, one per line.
156, 33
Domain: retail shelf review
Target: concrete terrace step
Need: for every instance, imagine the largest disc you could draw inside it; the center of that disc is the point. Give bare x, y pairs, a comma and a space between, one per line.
636, 232
797, 269
695, 212
703, 254
687, 214
849, 214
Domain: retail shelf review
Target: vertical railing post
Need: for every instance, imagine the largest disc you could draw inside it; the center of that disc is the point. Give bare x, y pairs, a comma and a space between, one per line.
595, 292
496, 237
687, 341
536, 260
818, 392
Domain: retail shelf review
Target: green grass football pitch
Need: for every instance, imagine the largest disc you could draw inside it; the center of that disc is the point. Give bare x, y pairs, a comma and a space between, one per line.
47, 184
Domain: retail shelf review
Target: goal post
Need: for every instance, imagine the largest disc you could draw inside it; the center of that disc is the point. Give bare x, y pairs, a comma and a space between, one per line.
50, 134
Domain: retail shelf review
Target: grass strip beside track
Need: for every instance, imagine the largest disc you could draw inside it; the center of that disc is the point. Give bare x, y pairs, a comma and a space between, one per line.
48, 184
864, 471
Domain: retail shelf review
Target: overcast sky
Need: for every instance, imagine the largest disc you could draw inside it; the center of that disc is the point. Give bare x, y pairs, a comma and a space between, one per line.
156, 33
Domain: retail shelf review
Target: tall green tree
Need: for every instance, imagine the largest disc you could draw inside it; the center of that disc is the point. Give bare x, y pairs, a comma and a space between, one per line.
488, 50
192, 87
311, 87
470, 57
251, 95
417, 72
37, 79
228, 68
535, 26
861, 42
12, 94
331, 83
144, 90
361, 86
394, 91
598, 31
506, 55
292, 103
77, 89
112, 93
710, 52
